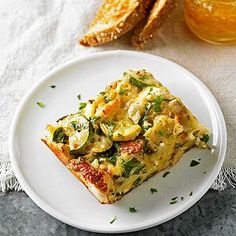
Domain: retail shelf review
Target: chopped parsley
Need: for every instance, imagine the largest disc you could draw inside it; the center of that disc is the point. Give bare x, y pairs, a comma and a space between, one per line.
59, 136
191, 193
132, 165
205, 138
165, 174
174, 198
74, 125
79, 97
103, 93
82, 105
122, 91
135, 82
182, 198
194, 163
113, 220
204, 172
153, 190
132, 209
113, 158
157, 104
173, 202
42, 105
53, 86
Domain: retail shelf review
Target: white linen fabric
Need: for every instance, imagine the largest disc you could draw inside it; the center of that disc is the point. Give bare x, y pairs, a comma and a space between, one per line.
36, 36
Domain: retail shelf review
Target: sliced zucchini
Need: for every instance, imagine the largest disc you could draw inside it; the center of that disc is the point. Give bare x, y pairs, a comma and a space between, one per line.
123, 130
101, 143
59, 136
82, 132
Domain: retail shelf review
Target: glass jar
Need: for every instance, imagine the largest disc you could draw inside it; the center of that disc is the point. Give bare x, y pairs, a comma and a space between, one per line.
212, 20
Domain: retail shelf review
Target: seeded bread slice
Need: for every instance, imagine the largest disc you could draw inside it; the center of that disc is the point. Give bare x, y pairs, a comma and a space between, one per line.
158, 15
113, 19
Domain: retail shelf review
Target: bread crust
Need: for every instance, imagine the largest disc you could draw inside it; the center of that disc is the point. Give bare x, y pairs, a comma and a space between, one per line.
122, 26
148, 27
98, 182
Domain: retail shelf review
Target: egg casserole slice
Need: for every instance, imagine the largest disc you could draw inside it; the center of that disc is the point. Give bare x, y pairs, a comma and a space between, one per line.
132, 130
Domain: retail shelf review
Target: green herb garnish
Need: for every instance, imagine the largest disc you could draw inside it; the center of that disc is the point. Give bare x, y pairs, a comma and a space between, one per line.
157, 104
194, 163
53, 86
107, 99
122, 91
112, 221
82, 105
173, 202
191, 193
42, 105
74, 125
165, 174
182, 198
174, 198
113, 158
132, 165
205, 138
132, 209
137, 83
59, 136
153, 190
79, 97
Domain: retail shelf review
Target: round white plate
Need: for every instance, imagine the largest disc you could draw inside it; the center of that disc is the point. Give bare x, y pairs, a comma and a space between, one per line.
53, 188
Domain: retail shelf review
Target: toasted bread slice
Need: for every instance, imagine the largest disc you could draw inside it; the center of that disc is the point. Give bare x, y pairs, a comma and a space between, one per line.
98, 182
147, 3
154, 20
113, 19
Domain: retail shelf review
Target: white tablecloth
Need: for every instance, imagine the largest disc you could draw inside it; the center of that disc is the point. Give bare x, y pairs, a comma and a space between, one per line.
36, 36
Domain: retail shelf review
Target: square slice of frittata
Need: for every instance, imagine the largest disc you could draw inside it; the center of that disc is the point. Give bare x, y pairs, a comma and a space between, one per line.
132, 130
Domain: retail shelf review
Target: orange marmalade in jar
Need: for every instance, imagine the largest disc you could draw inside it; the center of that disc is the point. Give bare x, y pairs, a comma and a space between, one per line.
212, 20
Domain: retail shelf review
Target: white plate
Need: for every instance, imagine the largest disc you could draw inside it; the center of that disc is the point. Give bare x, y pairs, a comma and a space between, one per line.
53, 188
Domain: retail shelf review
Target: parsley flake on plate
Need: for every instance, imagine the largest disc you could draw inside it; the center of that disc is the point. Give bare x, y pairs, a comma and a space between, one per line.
194, 163
165, 174
113, 220
132, 209
41, 104
153, 190
53, 86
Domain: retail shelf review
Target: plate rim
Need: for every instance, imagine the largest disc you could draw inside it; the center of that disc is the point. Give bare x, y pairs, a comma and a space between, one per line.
54, 212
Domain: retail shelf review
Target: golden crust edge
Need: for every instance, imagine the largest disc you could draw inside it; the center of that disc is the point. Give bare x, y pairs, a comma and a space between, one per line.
65, 159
